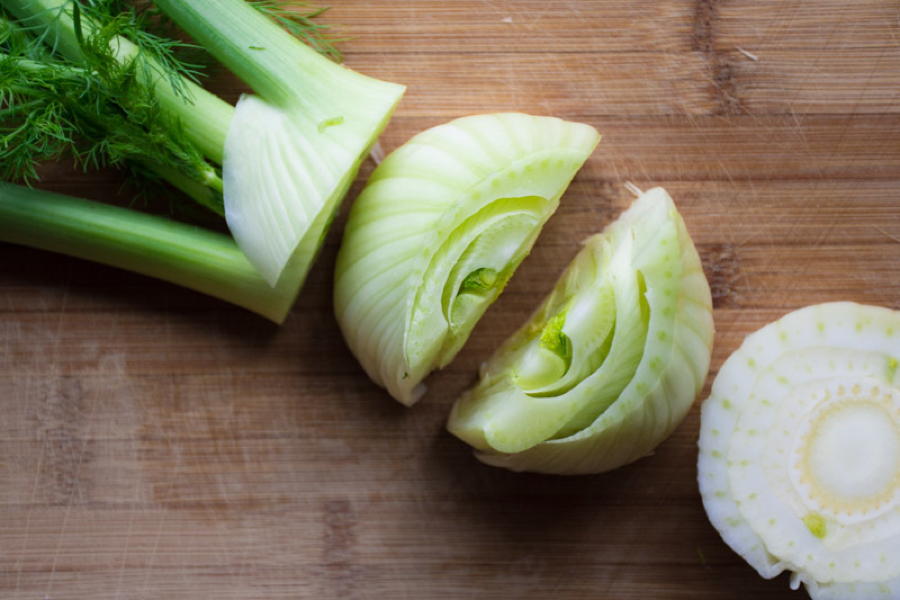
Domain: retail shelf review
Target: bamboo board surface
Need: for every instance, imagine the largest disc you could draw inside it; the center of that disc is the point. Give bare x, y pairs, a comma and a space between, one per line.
157, 444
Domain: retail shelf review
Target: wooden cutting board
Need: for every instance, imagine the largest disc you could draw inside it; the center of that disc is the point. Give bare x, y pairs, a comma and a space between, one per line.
157, 444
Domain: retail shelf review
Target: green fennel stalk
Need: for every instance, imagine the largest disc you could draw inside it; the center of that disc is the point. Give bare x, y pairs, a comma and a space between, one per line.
189, 256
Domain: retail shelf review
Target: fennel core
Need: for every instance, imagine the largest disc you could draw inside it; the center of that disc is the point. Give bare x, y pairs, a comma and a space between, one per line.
799, 461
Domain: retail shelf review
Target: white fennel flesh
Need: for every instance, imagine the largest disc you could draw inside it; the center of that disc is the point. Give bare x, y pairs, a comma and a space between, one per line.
609, 364
799, 464
439, 229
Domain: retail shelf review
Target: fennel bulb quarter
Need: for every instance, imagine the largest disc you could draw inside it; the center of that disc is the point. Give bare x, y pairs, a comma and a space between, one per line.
609, 364
439, 229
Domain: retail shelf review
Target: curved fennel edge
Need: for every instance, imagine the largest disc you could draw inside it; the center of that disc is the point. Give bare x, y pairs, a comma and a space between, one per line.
611, 441
367, 336
820, 327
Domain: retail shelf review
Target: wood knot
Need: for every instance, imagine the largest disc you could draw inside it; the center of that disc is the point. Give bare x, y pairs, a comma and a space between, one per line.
339, 542
339, 535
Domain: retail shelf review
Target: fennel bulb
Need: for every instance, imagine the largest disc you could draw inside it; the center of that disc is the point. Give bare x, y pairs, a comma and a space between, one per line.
439, 229
799, 463
611, 361
292, 150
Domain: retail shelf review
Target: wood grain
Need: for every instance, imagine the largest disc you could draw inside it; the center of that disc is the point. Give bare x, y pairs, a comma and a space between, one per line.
155, 443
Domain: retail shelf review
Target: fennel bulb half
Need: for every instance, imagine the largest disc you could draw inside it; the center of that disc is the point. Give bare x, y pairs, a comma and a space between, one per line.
611, 361
293, 148
439, 229
799, 462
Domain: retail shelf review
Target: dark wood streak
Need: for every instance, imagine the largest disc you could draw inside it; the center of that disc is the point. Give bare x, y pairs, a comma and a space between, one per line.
722, 74
705, 13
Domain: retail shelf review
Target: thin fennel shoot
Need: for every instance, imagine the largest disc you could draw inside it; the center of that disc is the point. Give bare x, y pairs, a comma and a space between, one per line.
102, 99
183, 254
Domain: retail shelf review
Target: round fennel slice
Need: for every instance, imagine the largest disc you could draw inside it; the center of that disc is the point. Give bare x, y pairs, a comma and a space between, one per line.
799, 464
440, 227
609, 364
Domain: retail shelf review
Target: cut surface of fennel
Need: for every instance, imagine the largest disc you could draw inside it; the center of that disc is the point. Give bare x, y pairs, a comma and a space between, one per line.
611, 361
283, 181
440, 227
799, 463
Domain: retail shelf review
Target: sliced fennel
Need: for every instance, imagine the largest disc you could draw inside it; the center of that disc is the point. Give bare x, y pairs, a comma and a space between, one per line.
799, 462
611, 361
439, 229
292, 152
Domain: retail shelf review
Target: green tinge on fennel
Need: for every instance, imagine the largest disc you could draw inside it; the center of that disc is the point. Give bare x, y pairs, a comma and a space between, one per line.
480, 280
799, 463
588, 325
635, 310
437, 232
